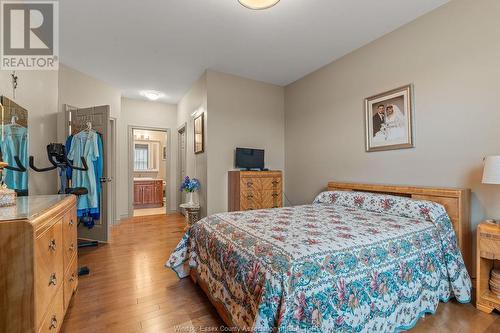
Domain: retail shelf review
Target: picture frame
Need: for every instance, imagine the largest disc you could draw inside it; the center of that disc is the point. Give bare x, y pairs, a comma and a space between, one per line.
389, 120
199, 133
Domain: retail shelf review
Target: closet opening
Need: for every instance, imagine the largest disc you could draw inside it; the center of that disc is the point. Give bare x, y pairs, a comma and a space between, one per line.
149, 170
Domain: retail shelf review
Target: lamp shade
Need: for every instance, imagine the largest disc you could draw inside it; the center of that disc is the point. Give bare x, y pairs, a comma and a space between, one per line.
491, 173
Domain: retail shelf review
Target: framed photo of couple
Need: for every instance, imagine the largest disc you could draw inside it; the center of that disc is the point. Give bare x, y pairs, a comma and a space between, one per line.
389, 120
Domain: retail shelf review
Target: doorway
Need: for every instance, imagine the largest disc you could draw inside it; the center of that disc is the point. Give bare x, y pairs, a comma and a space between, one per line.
149, 170
112, 153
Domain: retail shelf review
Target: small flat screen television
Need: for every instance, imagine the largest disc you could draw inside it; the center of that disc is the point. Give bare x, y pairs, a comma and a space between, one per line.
247, 158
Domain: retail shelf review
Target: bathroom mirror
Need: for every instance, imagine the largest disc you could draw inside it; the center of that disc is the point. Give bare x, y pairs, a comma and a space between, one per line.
14, 145
146, 155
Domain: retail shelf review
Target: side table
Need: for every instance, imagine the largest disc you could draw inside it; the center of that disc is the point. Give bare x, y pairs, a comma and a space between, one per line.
488, 256
192, 214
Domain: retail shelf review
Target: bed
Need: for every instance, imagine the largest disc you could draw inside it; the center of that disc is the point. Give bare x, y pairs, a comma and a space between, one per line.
359, 258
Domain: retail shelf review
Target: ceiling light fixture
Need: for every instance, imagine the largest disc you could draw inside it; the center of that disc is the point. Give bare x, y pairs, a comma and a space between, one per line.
258, 4
152, 95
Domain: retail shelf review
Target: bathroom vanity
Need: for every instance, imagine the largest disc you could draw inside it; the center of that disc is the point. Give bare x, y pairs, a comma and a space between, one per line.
148, 193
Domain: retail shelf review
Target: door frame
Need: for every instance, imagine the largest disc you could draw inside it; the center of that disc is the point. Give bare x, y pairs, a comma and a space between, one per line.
180, 130
130, 154
113, 212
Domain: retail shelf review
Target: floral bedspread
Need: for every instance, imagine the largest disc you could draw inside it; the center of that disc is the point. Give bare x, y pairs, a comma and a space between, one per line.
349, 262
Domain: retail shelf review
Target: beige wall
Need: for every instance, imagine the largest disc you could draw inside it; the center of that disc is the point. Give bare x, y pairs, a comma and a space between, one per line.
145, 114
37, 92
80, 90
195, 101
452, 56
243, 113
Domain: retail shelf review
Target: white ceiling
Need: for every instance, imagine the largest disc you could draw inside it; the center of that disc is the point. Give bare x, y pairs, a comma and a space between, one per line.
166, 45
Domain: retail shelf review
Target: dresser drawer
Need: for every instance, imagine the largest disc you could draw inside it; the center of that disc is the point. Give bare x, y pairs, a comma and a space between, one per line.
262, 199
250, 184
271, 199
249, 200
49, 267
69, 236
489, 245
70, 281
54, 316
269, 183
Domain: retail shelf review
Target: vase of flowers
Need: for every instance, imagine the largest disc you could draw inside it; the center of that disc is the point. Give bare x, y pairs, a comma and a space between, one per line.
190, 186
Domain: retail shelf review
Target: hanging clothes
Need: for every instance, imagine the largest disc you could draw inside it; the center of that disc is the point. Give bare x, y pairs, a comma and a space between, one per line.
67, 146
99, 168
94, 212
86, 144
15, 143
63, 180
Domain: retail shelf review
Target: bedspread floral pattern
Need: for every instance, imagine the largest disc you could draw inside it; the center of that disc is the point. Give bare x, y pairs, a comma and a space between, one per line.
350, 262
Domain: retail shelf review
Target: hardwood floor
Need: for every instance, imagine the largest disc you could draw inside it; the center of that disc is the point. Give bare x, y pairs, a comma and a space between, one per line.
149, 211
129, 290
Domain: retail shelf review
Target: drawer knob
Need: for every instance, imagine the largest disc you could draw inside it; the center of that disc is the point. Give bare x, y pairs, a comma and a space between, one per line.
53, 279
275, 195
72, 247
53, 322
72, 277
275, 182
249, 184
52, 245
249, 196
71, 222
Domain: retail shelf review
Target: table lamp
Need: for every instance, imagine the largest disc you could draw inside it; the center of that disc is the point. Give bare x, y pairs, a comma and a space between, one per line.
491, 173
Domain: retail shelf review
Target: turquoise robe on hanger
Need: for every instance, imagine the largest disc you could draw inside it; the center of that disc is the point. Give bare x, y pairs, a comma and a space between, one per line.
85, 143
15, 142
98, 170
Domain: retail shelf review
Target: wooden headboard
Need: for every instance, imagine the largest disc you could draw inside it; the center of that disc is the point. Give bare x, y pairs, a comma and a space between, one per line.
455, 200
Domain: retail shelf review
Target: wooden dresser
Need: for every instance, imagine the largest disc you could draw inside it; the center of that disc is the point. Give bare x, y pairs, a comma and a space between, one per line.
148, 193
38, 263
255, 190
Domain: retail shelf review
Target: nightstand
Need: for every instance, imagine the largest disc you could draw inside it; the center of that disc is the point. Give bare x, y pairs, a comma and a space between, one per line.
488, 257
192, 214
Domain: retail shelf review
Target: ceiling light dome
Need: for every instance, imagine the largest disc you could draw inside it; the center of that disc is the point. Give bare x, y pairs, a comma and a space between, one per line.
258, 4
152, 95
